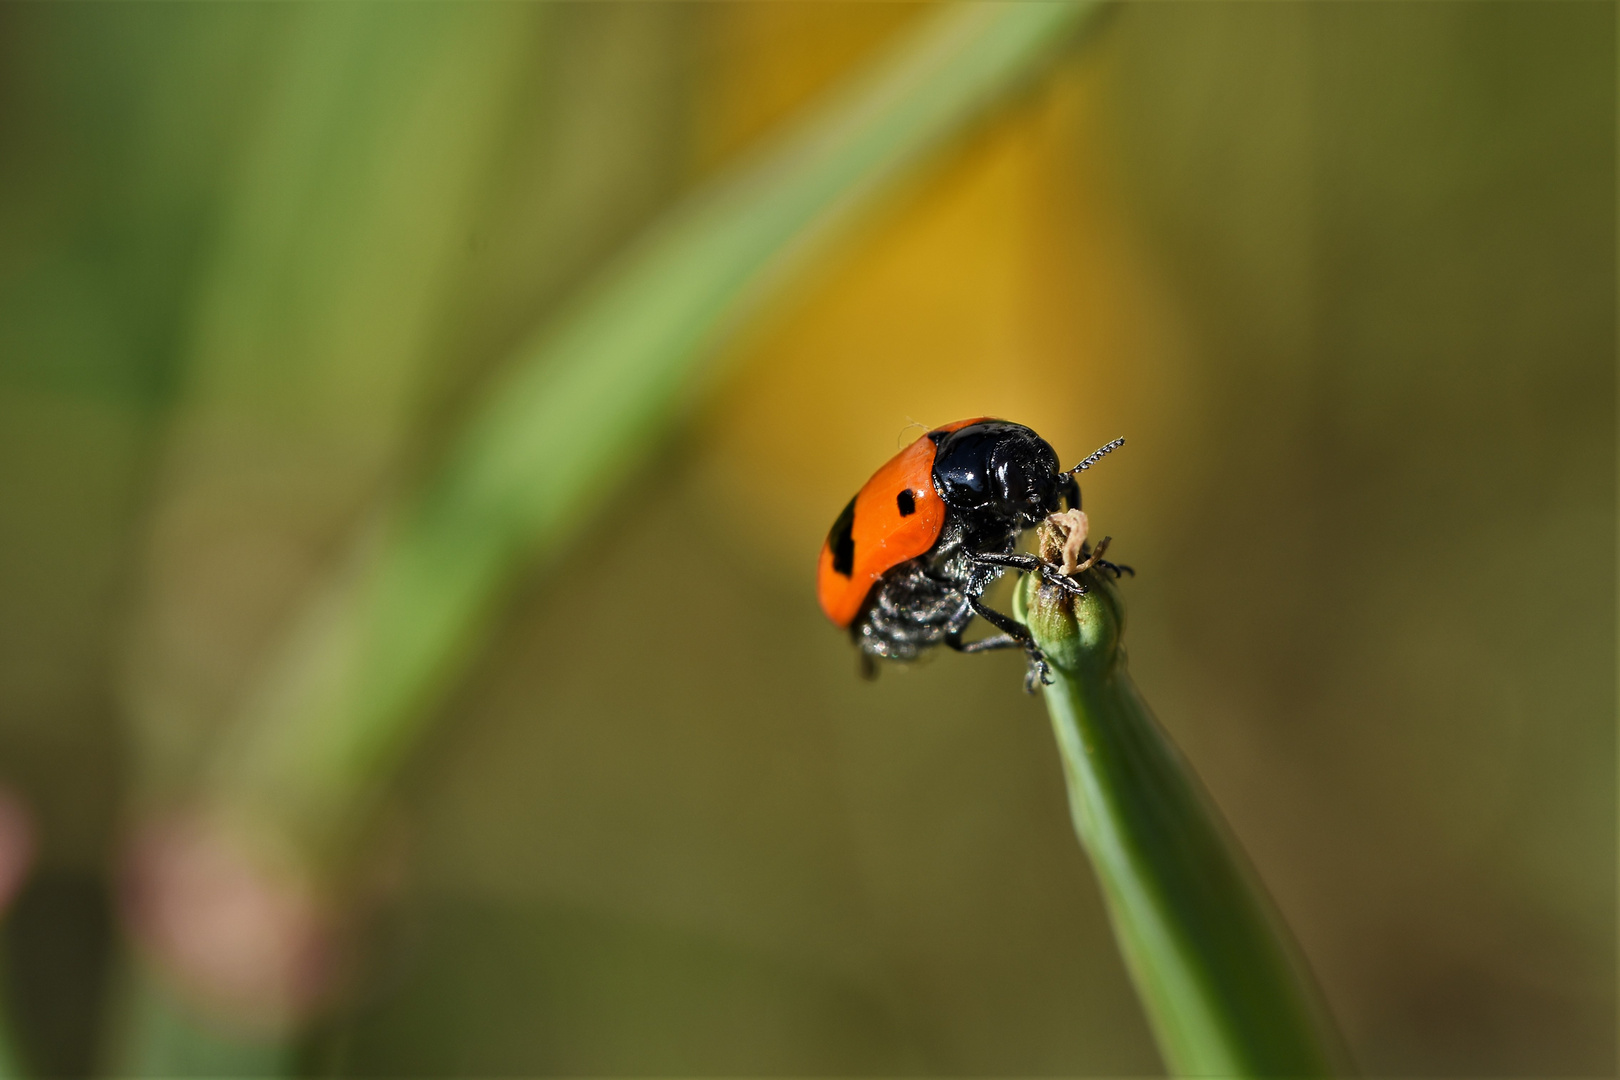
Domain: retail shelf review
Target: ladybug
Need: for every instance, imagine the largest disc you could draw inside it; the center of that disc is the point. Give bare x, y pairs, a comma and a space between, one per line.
904, 565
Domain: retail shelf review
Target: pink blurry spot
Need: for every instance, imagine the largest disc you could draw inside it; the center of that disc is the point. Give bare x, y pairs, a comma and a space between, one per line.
16, 846
249, 939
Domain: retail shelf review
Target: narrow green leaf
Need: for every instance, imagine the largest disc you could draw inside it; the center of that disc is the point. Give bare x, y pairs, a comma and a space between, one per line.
158, 1034
1221, 981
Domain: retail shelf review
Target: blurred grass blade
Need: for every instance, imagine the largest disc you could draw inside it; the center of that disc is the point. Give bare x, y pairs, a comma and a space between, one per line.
159, 1034
314, 333
10, 1060
1216, 970
577, 408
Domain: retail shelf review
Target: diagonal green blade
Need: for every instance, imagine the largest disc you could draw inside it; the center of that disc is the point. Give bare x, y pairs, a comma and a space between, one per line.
1219, 977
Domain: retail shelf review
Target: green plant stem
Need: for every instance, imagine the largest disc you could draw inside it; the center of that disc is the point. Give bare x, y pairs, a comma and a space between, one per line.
160, 1034
579, 406
10, 1059
1224, 989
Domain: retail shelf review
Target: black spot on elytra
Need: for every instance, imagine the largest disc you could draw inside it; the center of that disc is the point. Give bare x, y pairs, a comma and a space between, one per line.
907, 503
842, 541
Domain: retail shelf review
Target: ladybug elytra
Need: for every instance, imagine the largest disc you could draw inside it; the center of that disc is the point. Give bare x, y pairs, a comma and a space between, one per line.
905, 564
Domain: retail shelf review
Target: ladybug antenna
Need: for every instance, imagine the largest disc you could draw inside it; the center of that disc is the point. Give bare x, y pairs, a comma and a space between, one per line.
1093, 457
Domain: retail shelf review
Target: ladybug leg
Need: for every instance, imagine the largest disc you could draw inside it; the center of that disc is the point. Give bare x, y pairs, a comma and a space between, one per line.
999, 641
1017, 633
1029, 564
1096, 556
1096, 559
1005, 623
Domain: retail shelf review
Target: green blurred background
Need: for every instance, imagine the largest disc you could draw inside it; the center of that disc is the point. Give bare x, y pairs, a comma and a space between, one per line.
1343, 274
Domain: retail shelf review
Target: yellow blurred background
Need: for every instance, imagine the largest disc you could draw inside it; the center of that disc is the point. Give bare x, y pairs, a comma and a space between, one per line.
1342, 274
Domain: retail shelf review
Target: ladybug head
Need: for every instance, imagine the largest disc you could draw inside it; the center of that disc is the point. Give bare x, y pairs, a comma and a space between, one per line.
1001, 470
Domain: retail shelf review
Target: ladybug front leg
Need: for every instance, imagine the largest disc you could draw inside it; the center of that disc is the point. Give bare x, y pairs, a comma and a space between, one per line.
1029, 564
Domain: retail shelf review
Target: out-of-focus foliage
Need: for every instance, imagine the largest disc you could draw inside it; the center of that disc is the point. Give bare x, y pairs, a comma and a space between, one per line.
1343, 273
579, 404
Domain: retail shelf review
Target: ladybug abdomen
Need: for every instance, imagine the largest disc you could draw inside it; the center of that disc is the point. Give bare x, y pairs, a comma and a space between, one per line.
910, 610
919, 603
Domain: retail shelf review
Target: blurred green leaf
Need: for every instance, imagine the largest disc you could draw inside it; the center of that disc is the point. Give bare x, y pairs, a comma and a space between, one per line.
311, 333
159, 1034
1216, 970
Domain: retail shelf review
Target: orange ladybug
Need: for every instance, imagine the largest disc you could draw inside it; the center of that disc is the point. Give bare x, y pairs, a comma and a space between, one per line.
904, 565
